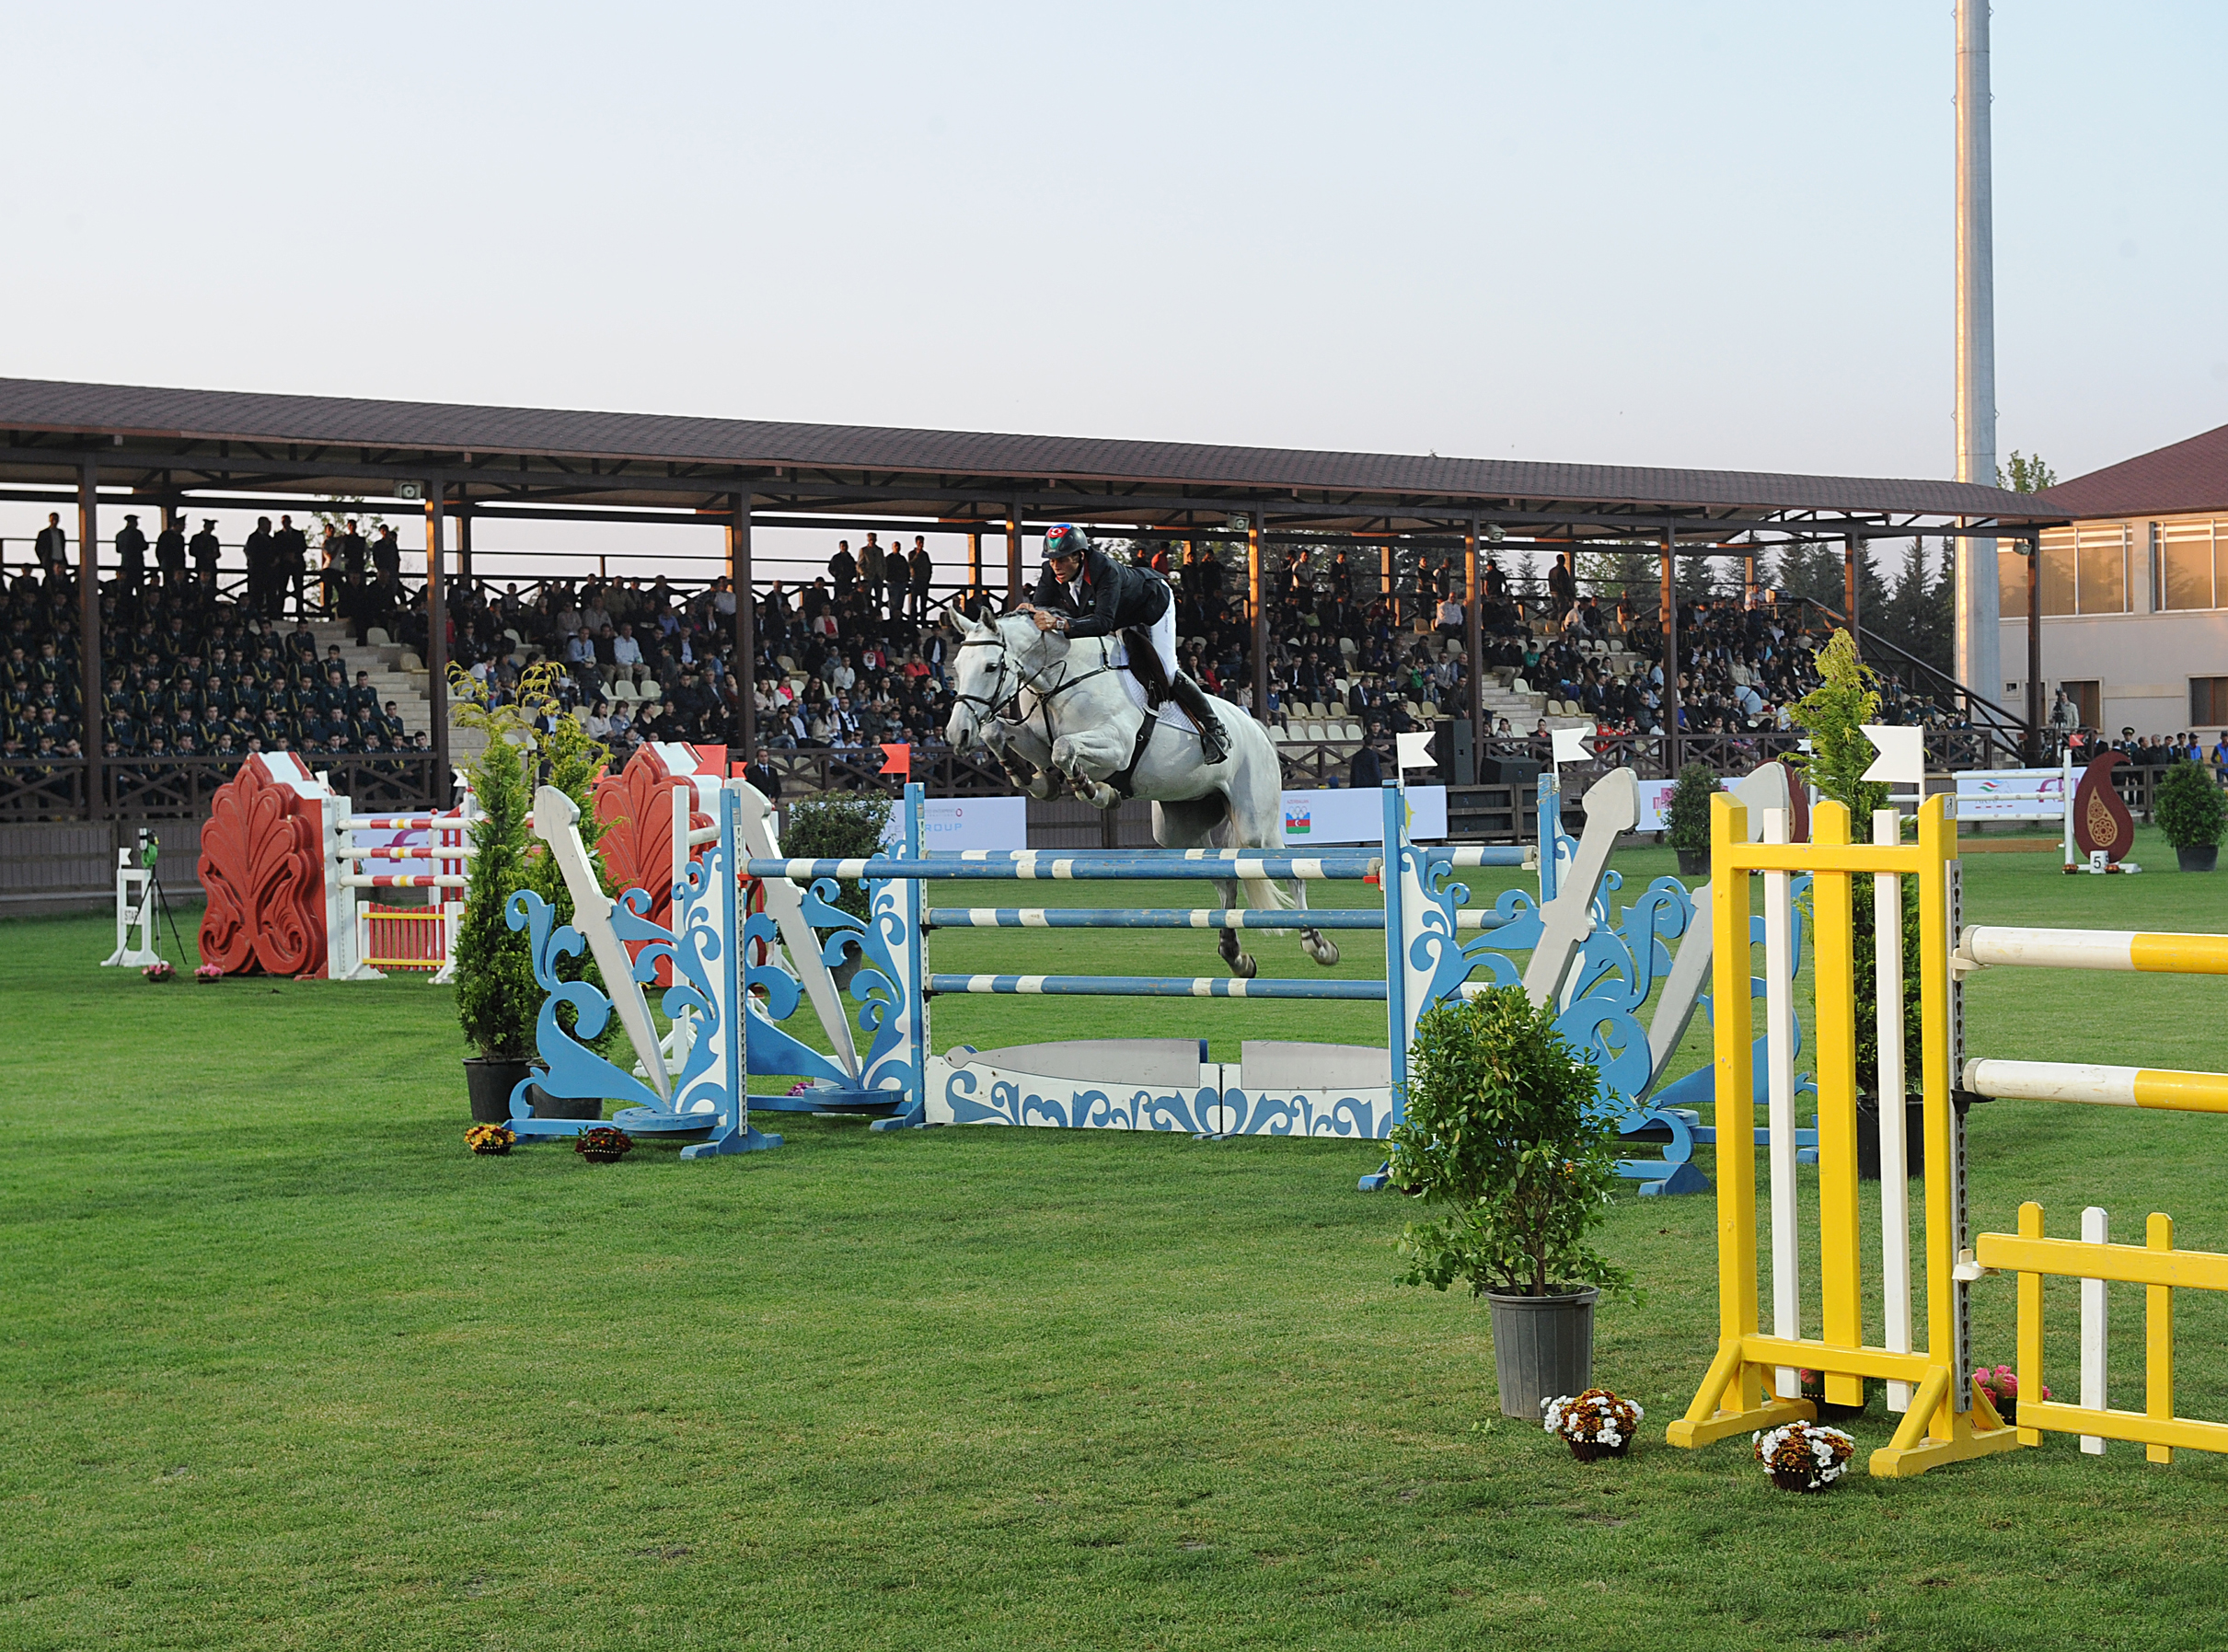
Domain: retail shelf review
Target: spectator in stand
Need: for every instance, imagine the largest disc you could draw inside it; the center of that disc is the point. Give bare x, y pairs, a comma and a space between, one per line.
924, 576
207, 555
170, 551
290, 547
132, 554
843, 568
387, 557
53, 545
871, 575
1561, 586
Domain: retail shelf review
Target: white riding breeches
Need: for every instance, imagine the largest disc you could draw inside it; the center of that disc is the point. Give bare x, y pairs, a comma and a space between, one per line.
1163, 633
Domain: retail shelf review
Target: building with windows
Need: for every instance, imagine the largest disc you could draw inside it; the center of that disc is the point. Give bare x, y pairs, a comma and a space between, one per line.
2134, 593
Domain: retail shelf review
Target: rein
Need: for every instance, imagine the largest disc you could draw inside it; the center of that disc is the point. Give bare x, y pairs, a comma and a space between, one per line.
997, 702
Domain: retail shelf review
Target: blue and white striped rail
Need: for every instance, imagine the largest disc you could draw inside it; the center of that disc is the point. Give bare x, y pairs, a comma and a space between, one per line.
1483, 854
1177, 918
1046, 866
1155, 987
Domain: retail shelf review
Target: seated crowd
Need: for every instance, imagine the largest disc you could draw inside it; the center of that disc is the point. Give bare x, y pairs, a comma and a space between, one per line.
850, 660
186, 677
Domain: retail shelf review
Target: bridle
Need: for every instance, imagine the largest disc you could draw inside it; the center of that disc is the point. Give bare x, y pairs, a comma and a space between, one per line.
999, 702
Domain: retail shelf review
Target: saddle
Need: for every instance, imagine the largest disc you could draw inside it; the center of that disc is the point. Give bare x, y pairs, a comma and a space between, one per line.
1145, 665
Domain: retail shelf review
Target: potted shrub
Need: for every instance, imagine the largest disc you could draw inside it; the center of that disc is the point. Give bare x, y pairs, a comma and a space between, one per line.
531, 741
1503, 1134
1832, 714
1687, 819
2191, 813
845, 826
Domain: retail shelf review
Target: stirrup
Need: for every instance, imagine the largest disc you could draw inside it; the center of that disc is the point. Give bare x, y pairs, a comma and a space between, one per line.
1214, 745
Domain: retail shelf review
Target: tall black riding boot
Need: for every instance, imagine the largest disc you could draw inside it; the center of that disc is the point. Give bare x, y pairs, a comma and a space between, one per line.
1214, 745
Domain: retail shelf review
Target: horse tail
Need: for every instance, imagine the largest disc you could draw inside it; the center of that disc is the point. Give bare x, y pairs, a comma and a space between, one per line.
1267, 895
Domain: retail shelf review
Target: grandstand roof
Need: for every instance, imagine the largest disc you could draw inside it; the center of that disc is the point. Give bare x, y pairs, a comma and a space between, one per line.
2188, 476
175, 441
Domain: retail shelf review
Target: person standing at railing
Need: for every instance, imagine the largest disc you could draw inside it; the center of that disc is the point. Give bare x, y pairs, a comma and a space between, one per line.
870, 577
924, 576
51, 546
290, 565
170, 552
131, 554
386, 555
207, 553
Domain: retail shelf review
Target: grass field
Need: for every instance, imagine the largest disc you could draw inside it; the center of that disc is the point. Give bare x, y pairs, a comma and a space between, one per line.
284, 1367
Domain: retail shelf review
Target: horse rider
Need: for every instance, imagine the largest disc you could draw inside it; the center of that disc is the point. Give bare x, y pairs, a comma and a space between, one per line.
1084, 593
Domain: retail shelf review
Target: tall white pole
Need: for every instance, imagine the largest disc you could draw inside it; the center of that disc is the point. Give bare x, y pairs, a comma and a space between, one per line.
1979, 640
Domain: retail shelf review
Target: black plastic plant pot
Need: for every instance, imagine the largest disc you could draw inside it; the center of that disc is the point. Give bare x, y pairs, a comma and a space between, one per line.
1542, 1348
490, 1085
1693, 863
1868, 1138
2198, 860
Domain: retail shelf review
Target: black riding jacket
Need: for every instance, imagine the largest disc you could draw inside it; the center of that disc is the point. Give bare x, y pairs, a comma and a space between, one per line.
1115, 595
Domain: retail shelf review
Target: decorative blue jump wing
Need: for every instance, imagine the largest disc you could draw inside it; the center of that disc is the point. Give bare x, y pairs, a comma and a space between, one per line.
570, 1068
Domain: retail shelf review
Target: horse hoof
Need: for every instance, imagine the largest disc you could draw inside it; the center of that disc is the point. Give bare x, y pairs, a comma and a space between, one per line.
1324, 952
1243, 966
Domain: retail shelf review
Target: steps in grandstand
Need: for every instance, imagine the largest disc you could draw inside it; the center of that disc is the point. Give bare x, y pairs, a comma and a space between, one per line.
406, 688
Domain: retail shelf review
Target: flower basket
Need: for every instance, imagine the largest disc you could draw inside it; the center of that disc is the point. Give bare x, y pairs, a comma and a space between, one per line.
208, 974
491, 1139
1595, 1424
158, 972
1805, 1457
2002, 1387
603, 1145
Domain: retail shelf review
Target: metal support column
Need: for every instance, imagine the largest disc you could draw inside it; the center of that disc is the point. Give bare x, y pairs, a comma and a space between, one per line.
91, 685
1853, 550
1014, 553
739, 580
1978, 602
2034, 650
464, 542
974, 559
1254, 585
1473, 641
1748, 581
1670, 648
437, 637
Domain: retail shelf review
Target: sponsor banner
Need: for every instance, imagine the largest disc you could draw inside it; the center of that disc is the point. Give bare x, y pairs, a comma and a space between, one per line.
953, 823
1342, 814
1993, 794
1656, 803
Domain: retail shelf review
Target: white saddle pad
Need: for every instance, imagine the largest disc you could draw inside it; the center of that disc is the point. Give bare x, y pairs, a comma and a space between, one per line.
1170, 713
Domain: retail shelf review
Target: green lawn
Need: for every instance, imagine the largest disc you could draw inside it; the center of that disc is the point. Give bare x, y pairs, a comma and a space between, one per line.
285, 1367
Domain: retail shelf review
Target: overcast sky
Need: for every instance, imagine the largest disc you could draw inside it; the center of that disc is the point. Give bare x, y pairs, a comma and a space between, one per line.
1658, 234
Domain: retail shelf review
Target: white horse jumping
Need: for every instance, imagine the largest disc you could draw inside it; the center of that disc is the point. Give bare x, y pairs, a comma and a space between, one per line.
1054, 710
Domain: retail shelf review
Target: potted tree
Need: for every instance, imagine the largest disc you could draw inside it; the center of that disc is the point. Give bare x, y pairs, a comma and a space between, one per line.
2191, 813
1687, 819
1502, 1132
1833, 714
532, 740
840, 827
